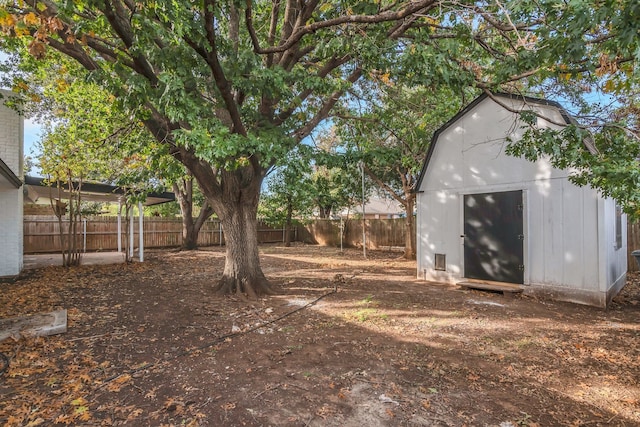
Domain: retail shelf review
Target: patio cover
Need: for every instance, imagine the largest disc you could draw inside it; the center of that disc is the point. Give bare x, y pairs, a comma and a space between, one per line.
36, 187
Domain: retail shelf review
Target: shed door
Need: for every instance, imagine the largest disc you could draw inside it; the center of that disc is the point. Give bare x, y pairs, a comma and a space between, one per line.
493, 237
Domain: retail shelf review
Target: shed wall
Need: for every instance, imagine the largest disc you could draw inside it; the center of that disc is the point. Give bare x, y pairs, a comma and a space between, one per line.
569, 233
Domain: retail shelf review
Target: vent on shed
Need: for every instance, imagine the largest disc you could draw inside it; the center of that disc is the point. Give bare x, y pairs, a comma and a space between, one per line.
441, 262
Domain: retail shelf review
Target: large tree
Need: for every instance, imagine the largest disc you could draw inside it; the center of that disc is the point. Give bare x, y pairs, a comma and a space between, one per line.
289, 191
391, 137
230, 87
116, 148
335, 178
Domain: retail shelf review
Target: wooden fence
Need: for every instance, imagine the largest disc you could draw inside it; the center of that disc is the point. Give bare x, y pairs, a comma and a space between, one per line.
42, 234
633, 243
380, 233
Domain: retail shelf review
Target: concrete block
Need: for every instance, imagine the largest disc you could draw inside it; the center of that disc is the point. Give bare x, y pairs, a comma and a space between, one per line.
40, 324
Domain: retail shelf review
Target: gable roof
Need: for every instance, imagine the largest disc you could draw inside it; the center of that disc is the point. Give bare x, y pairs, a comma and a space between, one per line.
527, 99
8, 173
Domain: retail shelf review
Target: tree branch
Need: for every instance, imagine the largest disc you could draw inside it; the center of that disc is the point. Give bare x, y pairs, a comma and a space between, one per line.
328, 104
331, 65
123, 29
383, 185
411, 8
216, 69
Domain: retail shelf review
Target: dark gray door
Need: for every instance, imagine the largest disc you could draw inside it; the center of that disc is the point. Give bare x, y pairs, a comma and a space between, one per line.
493, 237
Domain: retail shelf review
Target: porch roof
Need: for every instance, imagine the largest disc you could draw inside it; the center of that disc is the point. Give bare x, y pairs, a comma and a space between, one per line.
96, 192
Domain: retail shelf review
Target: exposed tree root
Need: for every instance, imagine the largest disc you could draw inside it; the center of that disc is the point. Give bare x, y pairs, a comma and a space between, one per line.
244, 287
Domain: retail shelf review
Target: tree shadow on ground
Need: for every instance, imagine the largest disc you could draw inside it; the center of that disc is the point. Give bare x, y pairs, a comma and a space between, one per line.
149, 344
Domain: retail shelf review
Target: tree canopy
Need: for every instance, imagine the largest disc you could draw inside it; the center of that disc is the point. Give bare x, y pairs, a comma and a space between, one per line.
229, 88
391, 135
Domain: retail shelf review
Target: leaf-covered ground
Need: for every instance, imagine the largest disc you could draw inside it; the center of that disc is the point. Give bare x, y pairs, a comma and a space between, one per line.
149, 345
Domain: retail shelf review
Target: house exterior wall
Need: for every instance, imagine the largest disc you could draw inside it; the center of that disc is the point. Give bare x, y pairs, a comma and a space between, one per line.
614, 272
569, 232
11, 146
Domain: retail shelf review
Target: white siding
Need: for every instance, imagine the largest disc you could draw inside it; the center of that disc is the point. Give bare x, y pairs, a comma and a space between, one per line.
563, 238
615, 266
11, 237
11, 243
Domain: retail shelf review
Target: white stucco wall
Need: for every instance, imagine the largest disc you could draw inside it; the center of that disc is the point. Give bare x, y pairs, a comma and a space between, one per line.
11, 235
569, 230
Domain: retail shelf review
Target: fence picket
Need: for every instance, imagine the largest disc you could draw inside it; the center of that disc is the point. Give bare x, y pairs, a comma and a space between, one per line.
41, 233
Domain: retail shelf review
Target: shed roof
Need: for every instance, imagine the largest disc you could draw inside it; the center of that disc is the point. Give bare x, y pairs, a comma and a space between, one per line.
96, 192
527, 99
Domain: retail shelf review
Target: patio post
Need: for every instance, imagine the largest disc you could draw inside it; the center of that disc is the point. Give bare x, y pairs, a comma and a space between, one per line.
140, 233
131, 234
120, 224
84, 235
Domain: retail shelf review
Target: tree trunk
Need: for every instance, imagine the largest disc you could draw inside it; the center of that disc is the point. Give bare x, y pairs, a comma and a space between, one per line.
410, 229
189, 234
325, 211
242, 272
190, 228
184, 196
237, 209
287, 225
205, 213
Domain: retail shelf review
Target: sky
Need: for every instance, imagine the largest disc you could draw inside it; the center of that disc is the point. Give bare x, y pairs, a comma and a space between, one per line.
32, 132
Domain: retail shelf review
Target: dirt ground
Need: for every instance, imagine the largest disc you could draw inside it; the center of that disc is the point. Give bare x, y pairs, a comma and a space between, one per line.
347, 342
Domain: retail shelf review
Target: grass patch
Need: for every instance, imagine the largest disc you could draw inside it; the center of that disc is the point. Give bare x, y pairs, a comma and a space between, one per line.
366, 314
369, 301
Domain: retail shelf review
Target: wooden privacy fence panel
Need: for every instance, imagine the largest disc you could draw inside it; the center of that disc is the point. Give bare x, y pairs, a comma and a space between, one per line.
44, 232
385, 233
380, 233
100, 234
633, 243
41, 234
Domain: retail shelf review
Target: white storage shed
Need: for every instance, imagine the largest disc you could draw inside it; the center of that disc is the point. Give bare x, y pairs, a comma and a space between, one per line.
489, 218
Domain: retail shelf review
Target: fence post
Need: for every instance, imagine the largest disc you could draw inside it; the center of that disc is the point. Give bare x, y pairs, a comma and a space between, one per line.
220, 232
84, 235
